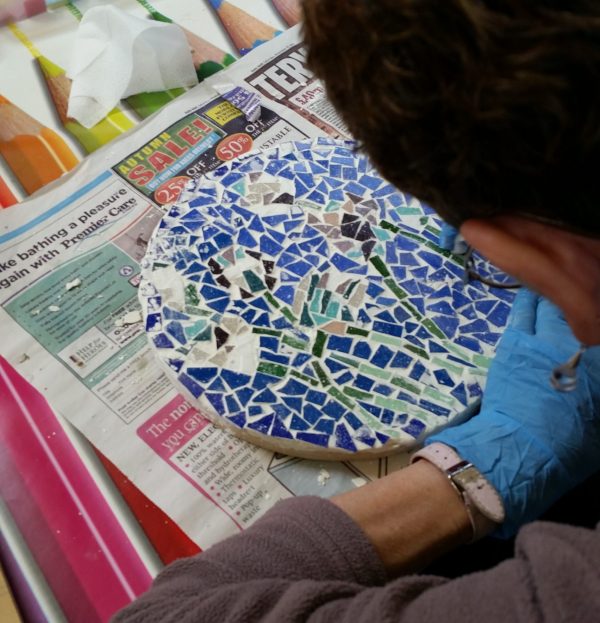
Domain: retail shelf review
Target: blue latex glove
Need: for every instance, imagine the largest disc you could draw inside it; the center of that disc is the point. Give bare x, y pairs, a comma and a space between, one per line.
531, 442
447, 237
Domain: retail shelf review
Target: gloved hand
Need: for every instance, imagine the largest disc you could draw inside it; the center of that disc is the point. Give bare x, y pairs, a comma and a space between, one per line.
448, 239
532, 442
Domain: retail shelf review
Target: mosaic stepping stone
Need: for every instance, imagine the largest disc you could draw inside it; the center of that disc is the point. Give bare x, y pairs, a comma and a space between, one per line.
301, 301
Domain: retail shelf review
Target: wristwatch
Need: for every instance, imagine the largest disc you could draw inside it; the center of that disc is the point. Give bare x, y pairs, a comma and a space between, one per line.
483, 503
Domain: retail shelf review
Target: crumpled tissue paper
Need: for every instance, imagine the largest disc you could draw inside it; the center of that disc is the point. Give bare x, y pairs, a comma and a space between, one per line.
117, 54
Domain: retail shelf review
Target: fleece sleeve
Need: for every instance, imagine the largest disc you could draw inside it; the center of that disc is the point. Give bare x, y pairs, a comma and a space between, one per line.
306, 560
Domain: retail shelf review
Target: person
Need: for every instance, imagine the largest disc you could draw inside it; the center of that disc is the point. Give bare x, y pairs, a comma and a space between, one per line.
488, 110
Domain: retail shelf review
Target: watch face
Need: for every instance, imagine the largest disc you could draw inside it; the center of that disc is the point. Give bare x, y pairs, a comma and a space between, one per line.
459, 468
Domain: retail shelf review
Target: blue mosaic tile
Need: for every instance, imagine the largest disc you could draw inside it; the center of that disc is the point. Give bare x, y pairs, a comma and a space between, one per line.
295, 294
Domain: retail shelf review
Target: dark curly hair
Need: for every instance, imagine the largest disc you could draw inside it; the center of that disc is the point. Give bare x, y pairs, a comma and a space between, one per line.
478, 107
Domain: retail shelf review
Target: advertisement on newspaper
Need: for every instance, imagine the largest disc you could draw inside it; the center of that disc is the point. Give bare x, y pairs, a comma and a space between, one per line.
287, 80
214, 133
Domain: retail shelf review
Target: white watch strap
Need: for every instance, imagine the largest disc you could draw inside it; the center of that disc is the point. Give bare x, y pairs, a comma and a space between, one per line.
484, 504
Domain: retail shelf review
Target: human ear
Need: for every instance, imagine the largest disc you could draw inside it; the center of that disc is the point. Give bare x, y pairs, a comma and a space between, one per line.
562, 266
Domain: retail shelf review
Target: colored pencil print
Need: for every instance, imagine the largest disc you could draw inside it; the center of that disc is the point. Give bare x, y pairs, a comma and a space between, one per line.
144, 104
208, 59
11, 10
245, 31
289, 10
6, 197
36, 154
59, 88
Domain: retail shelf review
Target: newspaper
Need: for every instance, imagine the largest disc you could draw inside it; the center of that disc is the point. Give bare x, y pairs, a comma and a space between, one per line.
285, 79
69, 272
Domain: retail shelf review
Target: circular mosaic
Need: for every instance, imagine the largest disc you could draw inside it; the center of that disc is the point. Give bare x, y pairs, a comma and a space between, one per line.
301, 301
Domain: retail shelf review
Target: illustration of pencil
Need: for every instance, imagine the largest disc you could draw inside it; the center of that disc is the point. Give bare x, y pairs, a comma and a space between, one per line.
208, 59
36, 154
289, 10
143, 104
59, 88
6, 197
14, 10
113, 125
245, 31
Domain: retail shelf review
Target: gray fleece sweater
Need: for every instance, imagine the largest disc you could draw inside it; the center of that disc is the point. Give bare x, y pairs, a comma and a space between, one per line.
306, 560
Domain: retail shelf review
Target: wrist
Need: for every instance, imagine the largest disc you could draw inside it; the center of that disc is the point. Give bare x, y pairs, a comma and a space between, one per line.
411, 517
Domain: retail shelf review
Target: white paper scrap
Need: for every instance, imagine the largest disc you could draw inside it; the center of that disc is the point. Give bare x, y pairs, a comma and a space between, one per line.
117, 54
70, 285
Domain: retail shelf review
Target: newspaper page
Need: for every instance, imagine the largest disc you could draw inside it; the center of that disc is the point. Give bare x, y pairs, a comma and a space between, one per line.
69, 273
285, 79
